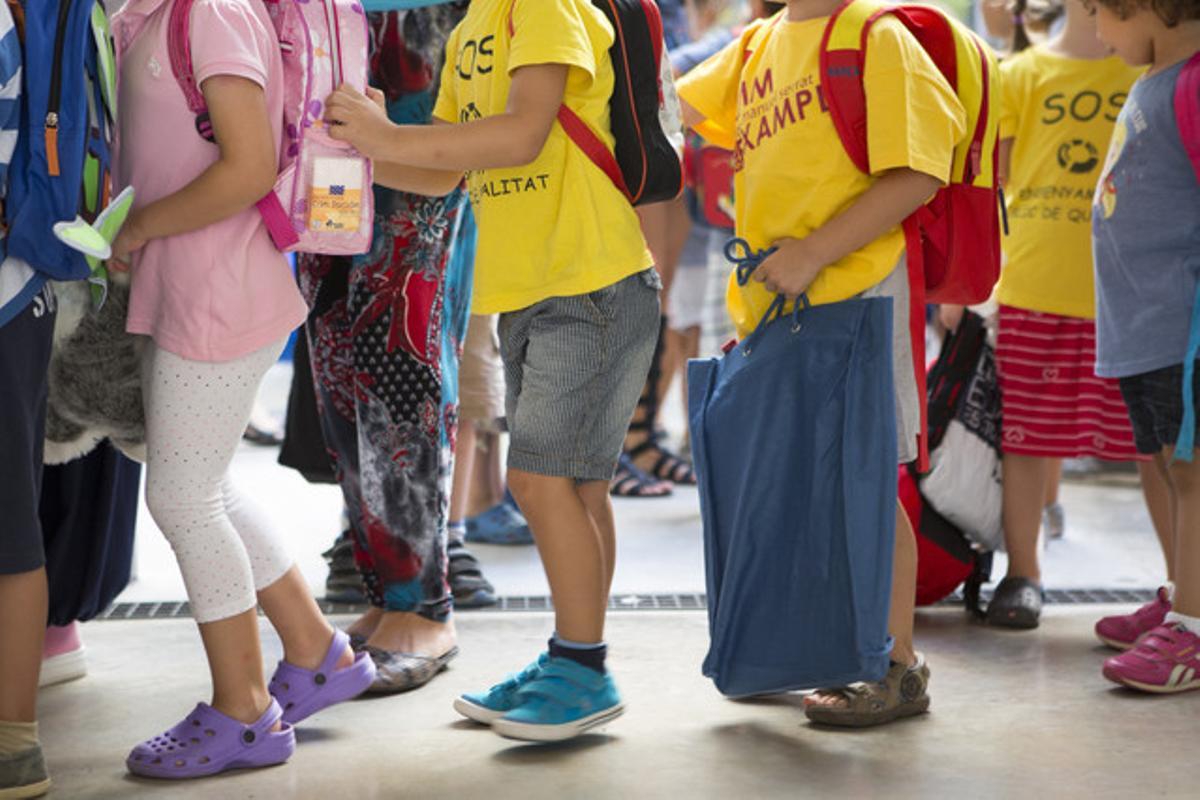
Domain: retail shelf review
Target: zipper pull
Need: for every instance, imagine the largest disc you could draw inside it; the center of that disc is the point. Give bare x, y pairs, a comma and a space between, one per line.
52, 165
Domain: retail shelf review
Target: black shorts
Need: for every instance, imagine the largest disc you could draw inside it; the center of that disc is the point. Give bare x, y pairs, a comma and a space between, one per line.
24, 359
1155, 401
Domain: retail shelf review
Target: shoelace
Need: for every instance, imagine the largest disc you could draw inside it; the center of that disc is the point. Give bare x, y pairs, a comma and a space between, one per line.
745, 258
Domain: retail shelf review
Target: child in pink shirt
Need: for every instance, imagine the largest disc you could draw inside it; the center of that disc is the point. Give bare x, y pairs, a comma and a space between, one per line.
218, 302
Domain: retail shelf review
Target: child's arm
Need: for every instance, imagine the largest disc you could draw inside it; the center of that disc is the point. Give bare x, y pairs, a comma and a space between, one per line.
409, 156
792, 268
243, 174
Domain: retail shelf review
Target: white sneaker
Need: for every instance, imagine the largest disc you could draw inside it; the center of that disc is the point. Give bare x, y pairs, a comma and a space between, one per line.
63, 657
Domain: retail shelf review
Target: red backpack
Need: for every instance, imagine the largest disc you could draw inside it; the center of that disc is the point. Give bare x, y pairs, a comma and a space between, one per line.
953, 242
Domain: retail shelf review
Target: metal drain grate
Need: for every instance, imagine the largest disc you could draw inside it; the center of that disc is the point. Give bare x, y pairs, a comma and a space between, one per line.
633, 602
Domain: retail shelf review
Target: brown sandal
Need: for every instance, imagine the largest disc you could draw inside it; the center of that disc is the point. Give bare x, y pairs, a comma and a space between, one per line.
903, 692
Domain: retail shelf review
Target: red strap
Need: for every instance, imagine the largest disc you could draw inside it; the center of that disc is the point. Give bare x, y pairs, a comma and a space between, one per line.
582, 134
916, 325
1187, 110
842, 83
593, 147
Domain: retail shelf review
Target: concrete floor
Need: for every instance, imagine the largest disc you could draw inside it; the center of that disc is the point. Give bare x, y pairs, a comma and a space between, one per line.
1015, 715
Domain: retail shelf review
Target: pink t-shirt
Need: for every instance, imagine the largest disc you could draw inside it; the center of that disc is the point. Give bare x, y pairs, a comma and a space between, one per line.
224, 291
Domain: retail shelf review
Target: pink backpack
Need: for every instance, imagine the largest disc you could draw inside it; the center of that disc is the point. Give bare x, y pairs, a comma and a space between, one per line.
322, 202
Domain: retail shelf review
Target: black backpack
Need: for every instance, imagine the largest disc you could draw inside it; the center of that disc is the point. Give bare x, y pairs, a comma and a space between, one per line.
646, 167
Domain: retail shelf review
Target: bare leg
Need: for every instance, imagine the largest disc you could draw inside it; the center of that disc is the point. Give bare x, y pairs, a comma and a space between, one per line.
1053, 481
1025, 480
24, 601
235, 661
1161, 503
1185, 478
298, 620
598, 502
572, 552
487, 474
464, 464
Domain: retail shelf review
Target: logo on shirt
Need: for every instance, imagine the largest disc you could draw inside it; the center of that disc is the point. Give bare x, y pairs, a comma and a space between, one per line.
763, 112
476, 57
1078, 156
154, 67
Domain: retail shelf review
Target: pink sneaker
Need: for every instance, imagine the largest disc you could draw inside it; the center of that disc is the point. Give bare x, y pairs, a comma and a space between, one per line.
62, 656
1123, 631
1165, 661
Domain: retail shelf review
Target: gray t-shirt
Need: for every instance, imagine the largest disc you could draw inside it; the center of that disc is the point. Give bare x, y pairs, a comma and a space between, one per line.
1146, 229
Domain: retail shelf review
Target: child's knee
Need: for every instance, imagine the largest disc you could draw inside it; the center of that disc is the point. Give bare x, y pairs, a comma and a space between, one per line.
176, 507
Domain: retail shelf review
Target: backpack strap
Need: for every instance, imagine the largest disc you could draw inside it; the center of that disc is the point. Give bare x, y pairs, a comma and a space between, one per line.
1187, 117
582, 134
180, 46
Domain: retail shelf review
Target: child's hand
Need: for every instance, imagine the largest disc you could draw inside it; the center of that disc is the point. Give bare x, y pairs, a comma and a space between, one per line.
128, 241
790, 270
358, 119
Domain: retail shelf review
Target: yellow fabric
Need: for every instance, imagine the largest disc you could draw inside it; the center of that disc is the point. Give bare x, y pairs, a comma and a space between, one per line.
793, 174
557, 227
1060, 112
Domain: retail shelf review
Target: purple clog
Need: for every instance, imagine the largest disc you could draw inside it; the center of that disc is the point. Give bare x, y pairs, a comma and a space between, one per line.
208, 742
304, 692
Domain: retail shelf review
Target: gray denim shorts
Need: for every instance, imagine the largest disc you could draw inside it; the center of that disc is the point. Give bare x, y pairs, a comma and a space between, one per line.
908, 408
575, 368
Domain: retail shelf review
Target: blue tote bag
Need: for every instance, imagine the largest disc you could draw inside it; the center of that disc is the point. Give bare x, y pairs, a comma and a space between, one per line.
794, 440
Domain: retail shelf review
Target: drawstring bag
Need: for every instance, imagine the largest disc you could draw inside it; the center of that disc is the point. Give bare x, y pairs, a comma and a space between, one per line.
794, 439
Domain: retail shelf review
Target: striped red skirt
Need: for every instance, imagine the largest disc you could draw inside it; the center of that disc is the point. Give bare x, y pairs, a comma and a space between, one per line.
1054, 405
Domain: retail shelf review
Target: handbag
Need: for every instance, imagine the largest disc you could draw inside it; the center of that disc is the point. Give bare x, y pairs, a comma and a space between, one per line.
794, 439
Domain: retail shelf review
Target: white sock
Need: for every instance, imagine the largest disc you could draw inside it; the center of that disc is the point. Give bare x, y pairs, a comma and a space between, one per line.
1191, 623
17, 737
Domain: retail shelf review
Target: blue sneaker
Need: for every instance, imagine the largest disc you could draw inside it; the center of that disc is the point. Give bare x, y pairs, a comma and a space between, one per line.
487, 707
501, 524
564, 701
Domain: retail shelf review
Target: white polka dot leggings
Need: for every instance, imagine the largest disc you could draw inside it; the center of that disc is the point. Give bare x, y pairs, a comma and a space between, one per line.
196, 413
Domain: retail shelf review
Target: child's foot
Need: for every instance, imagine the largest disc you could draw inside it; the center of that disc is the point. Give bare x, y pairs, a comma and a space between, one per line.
63, 656
23, 774
1054, 521
565, 700
903, 692
409, 651
1164, 661
341, 676
501, 524
487, 707
1123, 631
1017, 603
208, 742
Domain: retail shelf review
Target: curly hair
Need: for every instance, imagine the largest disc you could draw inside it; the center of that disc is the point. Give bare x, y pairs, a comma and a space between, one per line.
1171, 12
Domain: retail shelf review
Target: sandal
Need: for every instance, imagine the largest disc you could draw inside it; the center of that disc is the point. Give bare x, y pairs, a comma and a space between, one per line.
208, 742
903, 692
630, 481
670, 466
1016, 603
304, 692
403, 672
465, 576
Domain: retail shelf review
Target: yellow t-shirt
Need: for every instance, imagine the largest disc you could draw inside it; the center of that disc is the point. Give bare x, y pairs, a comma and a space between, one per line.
1060, 112
557, 227
793, 174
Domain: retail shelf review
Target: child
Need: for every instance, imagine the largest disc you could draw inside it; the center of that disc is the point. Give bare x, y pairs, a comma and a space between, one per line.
837, 230
1146, 242
562, 260
1059, 101
27, 313
385, 330
218, 302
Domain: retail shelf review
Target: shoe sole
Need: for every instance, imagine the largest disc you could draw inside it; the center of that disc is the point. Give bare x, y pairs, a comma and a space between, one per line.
477, 713
25, 792
832, 718
1019, 620
526, 732
63, 668
1114, 644
1190, 686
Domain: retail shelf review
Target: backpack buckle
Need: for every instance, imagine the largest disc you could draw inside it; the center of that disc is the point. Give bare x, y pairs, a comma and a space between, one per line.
204, 127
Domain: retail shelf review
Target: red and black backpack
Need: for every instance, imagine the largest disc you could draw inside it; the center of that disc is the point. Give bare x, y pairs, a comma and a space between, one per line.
645, 165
